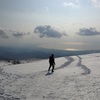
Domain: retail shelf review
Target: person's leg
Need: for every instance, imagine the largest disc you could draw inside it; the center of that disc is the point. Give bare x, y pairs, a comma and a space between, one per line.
53, 68
49, 67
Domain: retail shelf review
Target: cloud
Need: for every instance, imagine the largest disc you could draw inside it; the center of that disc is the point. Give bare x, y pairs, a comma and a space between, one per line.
18, 34
88, 32
3, 34
95, 3
71, 3
48, 31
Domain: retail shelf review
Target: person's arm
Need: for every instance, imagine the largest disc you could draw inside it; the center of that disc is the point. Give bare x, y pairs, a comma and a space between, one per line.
54, 61
49, 59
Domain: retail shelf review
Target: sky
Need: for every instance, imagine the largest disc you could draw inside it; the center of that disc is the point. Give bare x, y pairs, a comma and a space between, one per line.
53, 24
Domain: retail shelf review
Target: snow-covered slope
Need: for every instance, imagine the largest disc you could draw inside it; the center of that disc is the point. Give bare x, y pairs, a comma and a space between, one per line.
75, 78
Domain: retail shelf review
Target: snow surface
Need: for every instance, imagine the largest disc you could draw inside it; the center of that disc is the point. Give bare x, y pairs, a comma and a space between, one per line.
74, 78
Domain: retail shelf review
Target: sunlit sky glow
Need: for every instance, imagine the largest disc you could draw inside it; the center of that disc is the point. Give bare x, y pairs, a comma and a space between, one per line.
54, 24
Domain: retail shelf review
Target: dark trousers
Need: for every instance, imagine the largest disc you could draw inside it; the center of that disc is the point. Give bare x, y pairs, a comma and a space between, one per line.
51, 65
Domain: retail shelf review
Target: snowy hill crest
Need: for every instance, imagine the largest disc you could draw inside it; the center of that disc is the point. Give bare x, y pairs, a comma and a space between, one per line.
75, 78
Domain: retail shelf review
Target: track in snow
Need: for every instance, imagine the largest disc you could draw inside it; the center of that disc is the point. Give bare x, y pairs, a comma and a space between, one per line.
87, 71
70, 60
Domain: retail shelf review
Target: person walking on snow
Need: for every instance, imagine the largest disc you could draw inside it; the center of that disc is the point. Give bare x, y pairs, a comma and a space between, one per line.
51, 62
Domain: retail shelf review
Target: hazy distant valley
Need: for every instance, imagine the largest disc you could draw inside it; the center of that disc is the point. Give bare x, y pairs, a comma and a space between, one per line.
11, 53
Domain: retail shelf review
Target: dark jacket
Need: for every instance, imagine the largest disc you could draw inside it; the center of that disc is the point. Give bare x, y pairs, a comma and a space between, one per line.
51, 60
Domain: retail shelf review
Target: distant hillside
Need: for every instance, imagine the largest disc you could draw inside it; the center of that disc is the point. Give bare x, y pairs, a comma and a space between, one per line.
10, 53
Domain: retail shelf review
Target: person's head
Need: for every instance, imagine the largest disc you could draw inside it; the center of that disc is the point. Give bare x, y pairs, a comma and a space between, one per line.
52, 55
